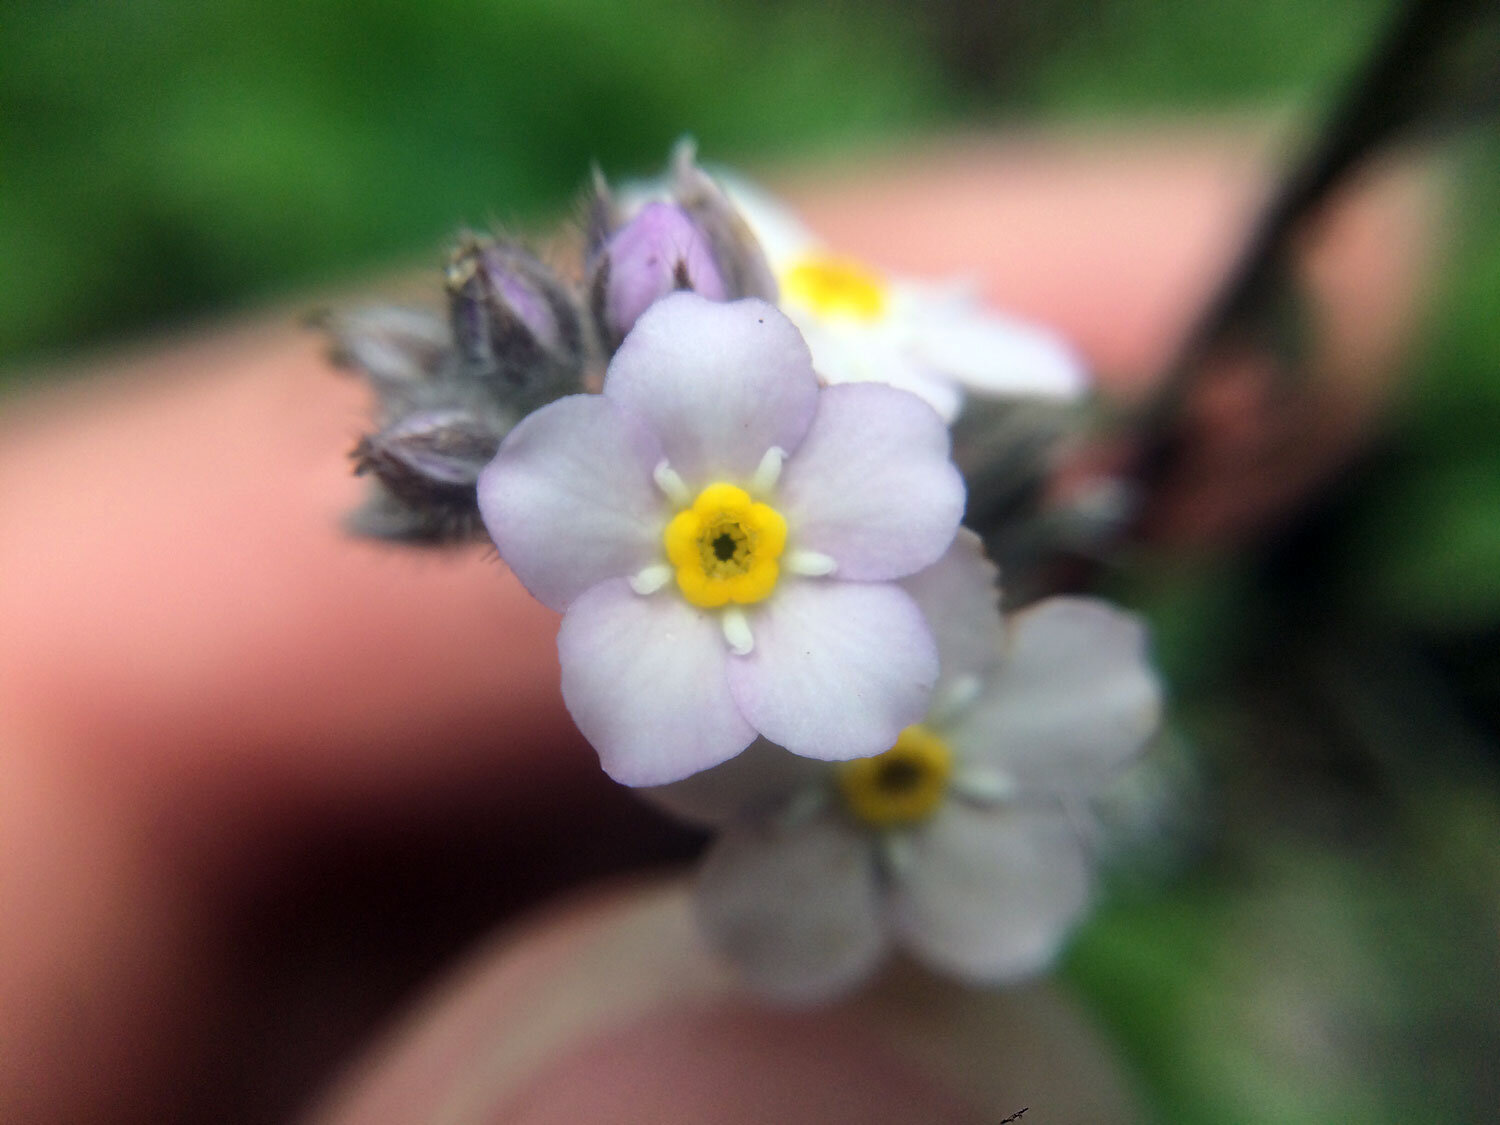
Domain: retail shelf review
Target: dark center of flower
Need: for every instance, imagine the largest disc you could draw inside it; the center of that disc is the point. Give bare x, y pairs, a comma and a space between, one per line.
904, 785
725, 547
900, 775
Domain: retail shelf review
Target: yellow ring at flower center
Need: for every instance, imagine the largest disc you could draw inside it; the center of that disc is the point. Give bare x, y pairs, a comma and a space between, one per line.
725, 547
902, 786
836, 287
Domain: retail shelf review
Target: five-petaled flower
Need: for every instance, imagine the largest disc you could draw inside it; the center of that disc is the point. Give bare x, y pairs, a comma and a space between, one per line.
724, 536
935, 340
959, 843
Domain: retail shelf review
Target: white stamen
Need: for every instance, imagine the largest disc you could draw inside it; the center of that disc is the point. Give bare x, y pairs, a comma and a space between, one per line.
809, 564
983, 785
651, 578
736, 628
768, 472
954, 700
672, 486
801, 807
897, 851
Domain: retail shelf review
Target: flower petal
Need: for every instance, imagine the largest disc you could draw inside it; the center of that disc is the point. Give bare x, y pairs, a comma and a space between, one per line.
569, 501
796, 911
779, 231
718, 384
838, 668
862, 353
960, 598
997, 356
1075, 697
643, 677
753, 785
989, 895
872, 485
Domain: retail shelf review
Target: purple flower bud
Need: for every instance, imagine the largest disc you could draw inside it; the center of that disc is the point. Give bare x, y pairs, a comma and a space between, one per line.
429, 457
740, 258
658, 252
393, 346
511, 316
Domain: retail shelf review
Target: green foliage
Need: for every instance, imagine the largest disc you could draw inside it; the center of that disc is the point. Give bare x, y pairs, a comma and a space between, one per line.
1128, 55
163, 157
1307, 986
1425, 549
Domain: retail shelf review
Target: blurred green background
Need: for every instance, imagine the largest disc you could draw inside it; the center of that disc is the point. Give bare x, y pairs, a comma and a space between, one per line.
162, 157
1315, 940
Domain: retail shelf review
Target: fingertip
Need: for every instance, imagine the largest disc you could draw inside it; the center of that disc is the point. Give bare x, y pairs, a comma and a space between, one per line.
611, 1010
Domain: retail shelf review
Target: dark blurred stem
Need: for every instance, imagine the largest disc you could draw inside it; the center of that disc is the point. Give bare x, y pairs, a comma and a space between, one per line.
1419, 74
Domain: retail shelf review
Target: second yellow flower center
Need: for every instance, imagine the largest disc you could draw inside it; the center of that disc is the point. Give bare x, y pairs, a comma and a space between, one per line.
904, 785
836, 287
726, 547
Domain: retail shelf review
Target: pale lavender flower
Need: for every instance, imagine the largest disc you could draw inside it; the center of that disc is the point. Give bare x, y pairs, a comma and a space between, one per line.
723, 536
959, 844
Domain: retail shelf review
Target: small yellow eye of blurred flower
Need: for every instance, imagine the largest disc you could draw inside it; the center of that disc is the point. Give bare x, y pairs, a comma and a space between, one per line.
725, 547
904, 785
832, 286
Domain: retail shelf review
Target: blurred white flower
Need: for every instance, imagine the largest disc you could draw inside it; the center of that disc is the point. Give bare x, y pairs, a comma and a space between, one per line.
938, 341
956, 844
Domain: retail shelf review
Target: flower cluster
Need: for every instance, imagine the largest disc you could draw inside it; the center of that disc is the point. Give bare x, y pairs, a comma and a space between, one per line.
960, 843
722, 455
519, 334
723, 535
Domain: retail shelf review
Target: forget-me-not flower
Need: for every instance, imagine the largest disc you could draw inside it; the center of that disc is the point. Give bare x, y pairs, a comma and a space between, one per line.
724, 536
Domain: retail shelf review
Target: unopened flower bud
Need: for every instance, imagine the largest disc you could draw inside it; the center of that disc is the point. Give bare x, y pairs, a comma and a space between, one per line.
394, 346
659, 251
738, 254
426, 465
512, 319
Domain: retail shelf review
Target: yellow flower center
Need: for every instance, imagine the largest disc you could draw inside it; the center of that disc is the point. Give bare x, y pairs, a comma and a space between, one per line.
902, 786
836, 287
725, 547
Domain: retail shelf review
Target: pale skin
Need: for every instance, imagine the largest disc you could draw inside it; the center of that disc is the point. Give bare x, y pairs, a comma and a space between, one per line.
199, 674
